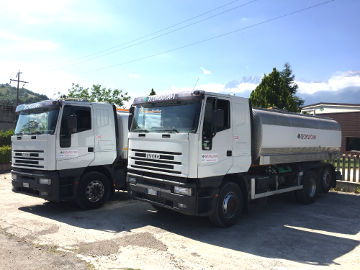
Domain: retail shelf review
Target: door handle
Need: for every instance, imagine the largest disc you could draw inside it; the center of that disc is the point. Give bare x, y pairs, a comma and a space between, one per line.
229, 153
90, 149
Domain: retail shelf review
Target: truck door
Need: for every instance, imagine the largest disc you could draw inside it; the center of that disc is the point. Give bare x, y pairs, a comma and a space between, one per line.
75, 147
216, 146
241, 128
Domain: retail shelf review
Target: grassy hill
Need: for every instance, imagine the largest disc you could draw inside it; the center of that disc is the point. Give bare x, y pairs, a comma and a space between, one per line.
8, 95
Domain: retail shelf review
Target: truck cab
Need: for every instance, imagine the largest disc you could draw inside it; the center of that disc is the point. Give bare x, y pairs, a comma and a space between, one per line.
69, 150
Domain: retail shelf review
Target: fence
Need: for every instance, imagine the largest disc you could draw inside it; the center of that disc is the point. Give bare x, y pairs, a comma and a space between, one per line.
349, 166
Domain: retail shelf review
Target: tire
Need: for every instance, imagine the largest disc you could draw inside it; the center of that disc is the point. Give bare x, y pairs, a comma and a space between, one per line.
310, 189
326, 179
93, 190
228, 206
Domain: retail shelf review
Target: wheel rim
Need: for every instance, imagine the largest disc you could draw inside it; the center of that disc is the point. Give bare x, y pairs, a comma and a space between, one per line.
312, 189
230, 205
95, 191
327, 179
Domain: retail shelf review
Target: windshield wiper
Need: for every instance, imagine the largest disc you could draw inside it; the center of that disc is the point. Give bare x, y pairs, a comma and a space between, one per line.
169, 130
140, 130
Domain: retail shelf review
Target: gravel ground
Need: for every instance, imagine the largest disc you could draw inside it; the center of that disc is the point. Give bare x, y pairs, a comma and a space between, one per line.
277, 233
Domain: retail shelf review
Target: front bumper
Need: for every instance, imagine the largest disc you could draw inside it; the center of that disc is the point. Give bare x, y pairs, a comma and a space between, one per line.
27, 182
160, 192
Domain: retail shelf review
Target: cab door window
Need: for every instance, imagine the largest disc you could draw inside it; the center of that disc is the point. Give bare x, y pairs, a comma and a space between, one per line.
83, 117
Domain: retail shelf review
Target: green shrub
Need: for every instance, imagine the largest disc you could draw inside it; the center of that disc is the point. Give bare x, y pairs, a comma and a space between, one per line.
5, 154
5, 137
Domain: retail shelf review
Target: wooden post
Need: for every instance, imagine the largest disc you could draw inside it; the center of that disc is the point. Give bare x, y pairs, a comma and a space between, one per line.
354, 168
358, 167
343, 167
349, 168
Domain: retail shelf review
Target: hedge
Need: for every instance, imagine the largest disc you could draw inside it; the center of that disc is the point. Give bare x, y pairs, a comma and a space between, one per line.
5, 154
5, 137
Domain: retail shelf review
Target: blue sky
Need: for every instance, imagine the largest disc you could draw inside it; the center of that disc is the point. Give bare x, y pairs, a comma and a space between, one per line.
50, 41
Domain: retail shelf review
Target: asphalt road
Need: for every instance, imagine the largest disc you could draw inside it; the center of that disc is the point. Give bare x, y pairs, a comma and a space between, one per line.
277, 233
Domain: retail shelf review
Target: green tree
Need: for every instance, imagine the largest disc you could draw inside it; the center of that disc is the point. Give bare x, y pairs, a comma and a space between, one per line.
277, 89
98, 94
152, 92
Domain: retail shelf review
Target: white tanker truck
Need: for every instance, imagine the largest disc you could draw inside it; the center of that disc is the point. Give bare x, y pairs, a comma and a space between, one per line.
208, 154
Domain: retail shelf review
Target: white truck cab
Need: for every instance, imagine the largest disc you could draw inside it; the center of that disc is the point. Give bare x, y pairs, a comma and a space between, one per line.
70, 150
202, 153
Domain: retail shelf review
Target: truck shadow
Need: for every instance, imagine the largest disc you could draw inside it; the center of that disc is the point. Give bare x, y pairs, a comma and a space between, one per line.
279, 228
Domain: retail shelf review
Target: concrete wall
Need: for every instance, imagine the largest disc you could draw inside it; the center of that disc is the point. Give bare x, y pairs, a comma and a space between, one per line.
7, 117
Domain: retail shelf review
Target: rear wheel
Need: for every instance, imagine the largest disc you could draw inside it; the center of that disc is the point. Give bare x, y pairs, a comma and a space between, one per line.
326, 179
93, 190
309, 192
228, 206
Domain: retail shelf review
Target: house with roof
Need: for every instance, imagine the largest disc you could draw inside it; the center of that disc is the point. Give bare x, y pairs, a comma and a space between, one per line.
347, 115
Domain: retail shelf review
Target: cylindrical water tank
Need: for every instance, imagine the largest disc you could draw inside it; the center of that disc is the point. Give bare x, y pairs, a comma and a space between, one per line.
282, 137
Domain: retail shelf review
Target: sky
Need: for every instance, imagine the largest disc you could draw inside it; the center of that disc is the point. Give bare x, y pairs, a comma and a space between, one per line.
221, 46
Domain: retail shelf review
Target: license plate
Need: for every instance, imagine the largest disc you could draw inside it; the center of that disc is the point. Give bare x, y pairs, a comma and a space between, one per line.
26, 185
151, 191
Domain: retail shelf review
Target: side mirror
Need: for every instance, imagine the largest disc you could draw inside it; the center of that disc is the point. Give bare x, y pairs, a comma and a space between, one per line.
219, 120
71, 123
131, 116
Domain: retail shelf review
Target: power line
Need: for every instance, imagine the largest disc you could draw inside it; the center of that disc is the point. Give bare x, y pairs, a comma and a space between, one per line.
17, 88
220, 35
150, 37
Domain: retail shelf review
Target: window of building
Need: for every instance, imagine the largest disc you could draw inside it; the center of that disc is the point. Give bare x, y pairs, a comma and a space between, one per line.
352, 143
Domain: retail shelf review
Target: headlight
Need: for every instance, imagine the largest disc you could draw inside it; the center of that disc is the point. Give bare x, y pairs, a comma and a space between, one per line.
13, 176
182, 190
45, 181
132, 180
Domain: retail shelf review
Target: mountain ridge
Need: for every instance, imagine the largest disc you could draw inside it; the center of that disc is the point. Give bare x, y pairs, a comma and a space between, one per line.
8, 95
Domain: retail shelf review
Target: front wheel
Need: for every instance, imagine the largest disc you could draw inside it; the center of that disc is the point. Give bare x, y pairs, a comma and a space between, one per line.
93, 190
228, 206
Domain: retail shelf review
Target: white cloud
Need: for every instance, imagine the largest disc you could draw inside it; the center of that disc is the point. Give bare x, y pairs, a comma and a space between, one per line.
336, 82
205, 71
17, 42
41, 79
38, 12
243, 87
134, 75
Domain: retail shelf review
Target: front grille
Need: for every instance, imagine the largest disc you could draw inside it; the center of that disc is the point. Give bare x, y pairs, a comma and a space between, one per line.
29, 158
156, 161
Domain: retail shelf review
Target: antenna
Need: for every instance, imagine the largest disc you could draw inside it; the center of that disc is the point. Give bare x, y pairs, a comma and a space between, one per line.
196, 83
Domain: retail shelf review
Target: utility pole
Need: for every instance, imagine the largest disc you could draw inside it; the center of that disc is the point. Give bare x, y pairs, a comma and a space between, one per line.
17, 89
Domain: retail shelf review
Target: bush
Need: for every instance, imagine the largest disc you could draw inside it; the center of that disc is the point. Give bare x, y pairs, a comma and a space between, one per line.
5, 154
5, 137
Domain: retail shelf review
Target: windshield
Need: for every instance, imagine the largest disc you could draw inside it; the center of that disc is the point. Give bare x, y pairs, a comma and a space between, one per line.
39, 121
182, 117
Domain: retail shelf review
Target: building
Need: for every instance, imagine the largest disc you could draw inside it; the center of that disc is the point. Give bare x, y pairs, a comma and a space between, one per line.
7, 117
348, 116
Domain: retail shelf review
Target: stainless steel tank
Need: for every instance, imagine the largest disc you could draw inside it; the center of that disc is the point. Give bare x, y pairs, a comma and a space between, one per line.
282, 137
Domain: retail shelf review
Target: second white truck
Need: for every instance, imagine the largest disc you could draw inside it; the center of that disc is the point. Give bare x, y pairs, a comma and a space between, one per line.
208, 154
66, 150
